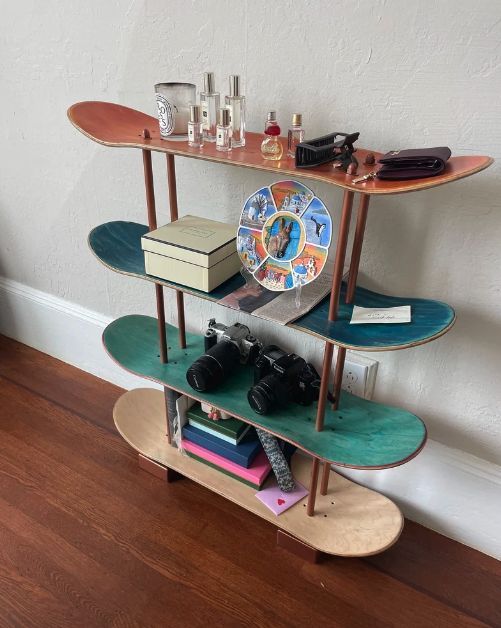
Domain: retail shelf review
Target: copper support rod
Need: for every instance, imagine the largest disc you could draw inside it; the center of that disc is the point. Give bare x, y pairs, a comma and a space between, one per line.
337, 277
148, 183
152, 224
338, 376
310, 508
356, 250
169, 431
174, 215
162, 333
342, 241
324, 386
324, 484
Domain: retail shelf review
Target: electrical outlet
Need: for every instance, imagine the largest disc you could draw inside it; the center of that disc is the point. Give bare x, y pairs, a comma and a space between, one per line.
359, 375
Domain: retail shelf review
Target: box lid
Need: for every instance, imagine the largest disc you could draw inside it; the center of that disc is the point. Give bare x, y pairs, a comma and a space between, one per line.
194, 233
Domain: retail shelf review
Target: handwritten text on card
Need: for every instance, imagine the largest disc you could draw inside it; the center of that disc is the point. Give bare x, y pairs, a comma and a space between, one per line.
401, 314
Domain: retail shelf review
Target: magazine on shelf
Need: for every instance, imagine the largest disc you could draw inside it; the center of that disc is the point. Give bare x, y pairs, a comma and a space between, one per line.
281, 307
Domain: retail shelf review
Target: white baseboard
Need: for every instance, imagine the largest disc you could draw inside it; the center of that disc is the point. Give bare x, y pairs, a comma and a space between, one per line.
59, 328
445, 489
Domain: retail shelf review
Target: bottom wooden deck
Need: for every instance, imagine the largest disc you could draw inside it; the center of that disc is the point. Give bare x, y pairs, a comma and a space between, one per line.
350, 520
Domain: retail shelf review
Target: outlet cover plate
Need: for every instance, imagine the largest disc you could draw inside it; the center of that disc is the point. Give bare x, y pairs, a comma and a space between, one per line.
359, 375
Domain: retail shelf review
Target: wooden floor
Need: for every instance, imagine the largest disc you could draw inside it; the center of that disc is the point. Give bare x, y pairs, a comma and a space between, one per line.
88, 539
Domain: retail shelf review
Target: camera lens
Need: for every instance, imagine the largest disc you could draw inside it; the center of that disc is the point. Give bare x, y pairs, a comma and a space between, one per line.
268, 393
212, 368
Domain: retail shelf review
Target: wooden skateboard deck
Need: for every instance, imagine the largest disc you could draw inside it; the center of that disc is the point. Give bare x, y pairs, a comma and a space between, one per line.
115, 125
350, 520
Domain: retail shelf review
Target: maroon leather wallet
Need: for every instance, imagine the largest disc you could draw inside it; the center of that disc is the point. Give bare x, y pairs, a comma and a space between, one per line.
413, 163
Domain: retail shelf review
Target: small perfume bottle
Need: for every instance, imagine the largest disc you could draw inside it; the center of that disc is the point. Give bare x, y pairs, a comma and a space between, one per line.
236, 104
195, 127
223, 130
209, 101
295, 135
271, 147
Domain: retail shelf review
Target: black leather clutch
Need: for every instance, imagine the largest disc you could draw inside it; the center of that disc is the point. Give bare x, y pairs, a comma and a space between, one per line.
414, 163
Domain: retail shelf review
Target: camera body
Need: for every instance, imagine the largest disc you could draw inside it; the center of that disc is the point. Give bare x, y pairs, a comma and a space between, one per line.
247, 344
225, 348
280, 377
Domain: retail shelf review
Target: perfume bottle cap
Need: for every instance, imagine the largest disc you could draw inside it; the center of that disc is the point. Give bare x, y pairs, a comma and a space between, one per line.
272, 116
209, 82
234, 85
297, 119
223, 116
195, 113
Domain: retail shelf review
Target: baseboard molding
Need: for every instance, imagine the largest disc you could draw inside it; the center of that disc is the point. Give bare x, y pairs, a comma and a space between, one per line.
61, 329
445, 489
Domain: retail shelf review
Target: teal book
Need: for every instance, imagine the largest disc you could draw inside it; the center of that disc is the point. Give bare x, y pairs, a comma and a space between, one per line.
231, 430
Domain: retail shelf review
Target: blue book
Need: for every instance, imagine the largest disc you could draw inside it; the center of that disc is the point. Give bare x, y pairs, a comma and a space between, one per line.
242, 454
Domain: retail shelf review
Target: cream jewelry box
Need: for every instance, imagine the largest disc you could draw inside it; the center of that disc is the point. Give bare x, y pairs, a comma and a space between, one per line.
196, 252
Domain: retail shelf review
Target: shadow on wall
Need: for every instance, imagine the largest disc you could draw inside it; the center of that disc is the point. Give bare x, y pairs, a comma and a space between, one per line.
7, 317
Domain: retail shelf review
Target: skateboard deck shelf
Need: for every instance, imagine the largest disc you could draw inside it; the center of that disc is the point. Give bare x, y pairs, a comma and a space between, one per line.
361, 434
352, 520
118, 246
115, 125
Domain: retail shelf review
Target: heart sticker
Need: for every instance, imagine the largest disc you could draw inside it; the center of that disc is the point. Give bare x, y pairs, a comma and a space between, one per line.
280, 501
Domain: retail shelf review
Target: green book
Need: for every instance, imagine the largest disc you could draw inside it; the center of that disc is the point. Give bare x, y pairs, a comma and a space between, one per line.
230, 430
228, 473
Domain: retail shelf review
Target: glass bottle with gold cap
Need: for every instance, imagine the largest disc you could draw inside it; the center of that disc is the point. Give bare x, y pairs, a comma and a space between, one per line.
271, 146
295, 135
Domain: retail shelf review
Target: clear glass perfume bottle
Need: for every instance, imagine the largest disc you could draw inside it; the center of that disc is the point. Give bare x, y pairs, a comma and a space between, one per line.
295, 135
271, 146
223, 130
236, 104
209, 101
195, 127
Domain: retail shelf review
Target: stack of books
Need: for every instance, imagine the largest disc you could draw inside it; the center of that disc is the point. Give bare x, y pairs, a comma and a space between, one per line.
230, 446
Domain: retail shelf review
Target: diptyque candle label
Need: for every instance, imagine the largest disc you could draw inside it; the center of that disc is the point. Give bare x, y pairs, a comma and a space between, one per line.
165, 115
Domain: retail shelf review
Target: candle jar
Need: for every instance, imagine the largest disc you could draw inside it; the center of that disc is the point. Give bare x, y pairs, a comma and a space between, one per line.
173, 103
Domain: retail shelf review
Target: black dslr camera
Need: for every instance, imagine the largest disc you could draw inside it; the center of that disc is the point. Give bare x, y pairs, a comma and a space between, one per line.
280, 377
225, 348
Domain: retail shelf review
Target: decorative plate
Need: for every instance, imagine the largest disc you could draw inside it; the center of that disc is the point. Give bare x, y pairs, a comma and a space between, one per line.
284, 235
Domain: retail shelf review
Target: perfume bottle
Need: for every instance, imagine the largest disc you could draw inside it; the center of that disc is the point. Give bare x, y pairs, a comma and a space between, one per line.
195, 127
236, 104
271, 147
295, 135
209, 101
223, 130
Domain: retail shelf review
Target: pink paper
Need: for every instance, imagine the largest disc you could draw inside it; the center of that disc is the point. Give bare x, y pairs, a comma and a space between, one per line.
278, 501
256, 473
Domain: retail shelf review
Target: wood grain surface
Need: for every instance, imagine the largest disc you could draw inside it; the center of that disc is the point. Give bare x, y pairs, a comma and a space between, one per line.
349, 521
115, 125
117, 245
89, 540
359, 434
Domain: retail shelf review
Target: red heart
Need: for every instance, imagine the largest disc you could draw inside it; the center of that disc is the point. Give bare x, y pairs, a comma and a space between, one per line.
280, 501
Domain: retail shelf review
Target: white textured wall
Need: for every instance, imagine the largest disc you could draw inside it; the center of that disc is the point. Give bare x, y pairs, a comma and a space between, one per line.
403, 74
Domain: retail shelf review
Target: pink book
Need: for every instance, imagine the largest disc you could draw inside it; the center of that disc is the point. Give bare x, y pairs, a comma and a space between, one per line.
256, 473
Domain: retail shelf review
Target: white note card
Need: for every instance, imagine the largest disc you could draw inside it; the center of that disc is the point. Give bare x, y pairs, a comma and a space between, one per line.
401, 314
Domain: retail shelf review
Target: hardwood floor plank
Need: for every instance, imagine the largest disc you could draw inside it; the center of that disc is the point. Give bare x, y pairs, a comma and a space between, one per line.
88, 539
